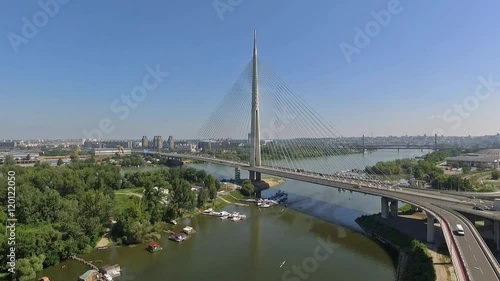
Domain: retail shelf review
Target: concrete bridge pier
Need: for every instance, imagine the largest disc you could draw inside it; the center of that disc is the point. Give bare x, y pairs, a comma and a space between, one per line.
394, 207
258, 176
496, 234
430, 228
389, 207
384, 211
251, 175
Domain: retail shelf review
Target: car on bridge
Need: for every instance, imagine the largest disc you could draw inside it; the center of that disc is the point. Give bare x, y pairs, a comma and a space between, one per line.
459, 230
479, 208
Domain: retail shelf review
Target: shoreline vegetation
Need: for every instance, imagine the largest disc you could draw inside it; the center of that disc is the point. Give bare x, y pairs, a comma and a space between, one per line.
71, 209
414, 262
287, 151
428, 170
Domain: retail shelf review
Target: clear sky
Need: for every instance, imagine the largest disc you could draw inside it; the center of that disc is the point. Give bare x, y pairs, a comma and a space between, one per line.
416, 67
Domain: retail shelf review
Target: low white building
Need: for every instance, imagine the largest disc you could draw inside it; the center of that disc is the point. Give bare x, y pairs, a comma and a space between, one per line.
186, 147
111, 151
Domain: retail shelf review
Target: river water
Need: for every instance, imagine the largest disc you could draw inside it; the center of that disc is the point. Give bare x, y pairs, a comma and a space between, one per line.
314, 238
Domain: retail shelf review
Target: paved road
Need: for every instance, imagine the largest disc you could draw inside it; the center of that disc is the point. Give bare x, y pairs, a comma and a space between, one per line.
472, 253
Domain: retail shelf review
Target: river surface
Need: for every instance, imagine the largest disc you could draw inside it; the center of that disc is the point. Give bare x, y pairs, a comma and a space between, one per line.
314, 238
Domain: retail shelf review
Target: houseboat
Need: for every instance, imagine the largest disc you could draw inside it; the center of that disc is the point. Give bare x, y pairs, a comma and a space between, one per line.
90, 275
178, 237
110, 271
188, 230
154, 247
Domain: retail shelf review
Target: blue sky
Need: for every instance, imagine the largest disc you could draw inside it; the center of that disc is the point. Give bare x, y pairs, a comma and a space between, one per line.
425, 60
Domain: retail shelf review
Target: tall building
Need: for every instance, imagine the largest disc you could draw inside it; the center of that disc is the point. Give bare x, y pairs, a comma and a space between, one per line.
157, 142
171, 143
145, 142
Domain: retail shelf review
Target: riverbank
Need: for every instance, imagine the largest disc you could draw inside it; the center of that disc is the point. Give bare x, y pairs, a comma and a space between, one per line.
414, 263
273, 182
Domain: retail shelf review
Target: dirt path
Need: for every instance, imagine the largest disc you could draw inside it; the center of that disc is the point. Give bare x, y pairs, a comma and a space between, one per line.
223, 199
104, 242
128, 193
442, 265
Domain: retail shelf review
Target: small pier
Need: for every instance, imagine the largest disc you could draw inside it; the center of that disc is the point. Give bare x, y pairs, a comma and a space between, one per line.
87, 263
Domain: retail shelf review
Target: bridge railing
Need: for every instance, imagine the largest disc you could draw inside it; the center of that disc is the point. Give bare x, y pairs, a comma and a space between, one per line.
453, 245
457, 257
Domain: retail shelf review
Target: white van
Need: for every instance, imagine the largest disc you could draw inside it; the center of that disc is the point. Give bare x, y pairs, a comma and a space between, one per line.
460, 230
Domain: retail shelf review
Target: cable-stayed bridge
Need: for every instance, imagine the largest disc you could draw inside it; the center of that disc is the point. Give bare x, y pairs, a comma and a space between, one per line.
283, 132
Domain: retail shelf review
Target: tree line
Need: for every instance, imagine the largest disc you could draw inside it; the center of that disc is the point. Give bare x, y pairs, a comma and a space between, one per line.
64, 210
425, 169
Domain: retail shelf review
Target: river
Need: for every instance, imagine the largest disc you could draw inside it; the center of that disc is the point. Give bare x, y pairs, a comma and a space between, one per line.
315, 238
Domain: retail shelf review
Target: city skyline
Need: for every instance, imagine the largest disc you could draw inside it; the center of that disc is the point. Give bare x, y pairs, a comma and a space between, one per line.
70, 76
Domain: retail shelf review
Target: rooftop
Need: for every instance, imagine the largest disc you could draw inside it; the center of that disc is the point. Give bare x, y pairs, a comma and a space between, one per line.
87, 274
489, 152
474, 158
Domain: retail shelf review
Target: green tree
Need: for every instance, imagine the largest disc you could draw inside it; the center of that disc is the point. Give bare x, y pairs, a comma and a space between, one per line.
212, 192
495, 175
60, 162
132, 226
9, 160
183, 198
74, 158
247, 188
418, 174
202, 197
27, 267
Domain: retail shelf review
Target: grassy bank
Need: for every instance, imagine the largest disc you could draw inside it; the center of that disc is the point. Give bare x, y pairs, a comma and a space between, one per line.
419, 266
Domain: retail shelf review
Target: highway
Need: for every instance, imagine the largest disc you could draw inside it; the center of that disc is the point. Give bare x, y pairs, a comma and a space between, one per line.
478, 261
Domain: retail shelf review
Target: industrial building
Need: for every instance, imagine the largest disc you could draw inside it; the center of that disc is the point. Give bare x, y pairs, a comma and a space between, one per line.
8, 144
108, 144
186, 147
111, 151
21, 157
489, 158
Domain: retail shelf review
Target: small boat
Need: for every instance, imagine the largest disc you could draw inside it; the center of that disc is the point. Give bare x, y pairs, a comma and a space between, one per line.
236, 219
188, 230
173, 222
223, 217
264, 205
154, 247
178, 237
102, 248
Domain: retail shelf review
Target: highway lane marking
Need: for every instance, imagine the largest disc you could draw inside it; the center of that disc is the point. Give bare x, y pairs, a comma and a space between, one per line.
479, 269
474, 256
469, 247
